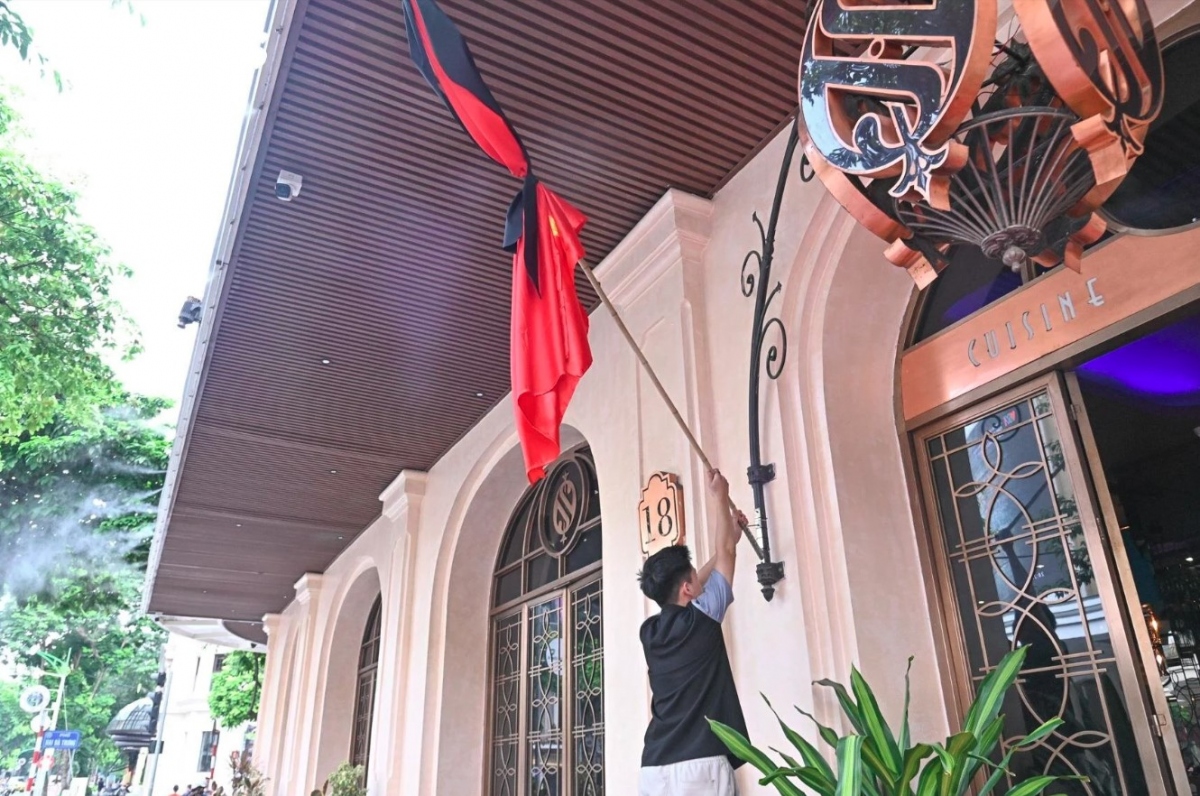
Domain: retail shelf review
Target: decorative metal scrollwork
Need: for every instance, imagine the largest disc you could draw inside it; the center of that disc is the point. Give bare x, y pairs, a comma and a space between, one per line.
772, 357
807, 173
776, 355
777, 352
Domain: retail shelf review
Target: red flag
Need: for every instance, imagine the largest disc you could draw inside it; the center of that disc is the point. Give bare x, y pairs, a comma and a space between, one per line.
550, 351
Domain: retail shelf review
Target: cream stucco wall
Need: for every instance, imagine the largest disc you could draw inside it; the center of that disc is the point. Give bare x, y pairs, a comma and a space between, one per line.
841, 513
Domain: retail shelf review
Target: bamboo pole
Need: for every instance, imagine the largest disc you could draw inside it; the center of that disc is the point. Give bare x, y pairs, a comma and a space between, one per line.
662, 391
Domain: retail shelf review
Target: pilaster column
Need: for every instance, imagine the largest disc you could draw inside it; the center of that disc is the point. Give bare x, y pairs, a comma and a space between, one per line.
655, 278
304, 721
273, 700
394, 747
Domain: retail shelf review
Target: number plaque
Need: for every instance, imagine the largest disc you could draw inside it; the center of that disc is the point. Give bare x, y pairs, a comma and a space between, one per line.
660, 514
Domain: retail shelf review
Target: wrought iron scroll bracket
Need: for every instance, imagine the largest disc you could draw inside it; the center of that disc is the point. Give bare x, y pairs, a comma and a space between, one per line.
768, 352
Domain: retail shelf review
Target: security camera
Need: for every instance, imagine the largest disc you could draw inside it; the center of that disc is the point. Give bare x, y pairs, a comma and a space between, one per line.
287, 186
192, 312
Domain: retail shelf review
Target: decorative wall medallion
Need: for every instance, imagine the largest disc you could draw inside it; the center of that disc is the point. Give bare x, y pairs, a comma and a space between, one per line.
660, 514
563, 508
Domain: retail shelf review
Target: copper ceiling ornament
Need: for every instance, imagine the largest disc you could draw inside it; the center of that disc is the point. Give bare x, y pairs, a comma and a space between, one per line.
951, 126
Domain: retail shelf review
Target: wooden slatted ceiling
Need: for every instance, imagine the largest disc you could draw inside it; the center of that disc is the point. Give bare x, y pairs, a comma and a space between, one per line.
388, 263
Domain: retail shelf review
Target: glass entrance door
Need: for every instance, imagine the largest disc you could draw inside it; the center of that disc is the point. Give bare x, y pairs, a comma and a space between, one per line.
1021, 560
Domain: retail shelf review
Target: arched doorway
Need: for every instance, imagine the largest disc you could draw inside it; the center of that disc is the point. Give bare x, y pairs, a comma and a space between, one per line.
1052, 404
547, 649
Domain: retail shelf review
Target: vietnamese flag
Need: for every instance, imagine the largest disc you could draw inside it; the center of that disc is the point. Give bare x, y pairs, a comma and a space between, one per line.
550, 351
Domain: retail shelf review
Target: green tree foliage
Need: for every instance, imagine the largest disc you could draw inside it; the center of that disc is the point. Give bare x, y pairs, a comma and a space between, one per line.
80, 467
14, 725
78, 502
13, 30
16, 33
56, 315
80, 493
236, 689
90, 619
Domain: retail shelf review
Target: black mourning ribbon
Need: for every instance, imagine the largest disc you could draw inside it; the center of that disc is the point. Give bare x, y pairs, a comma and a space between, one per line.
522, 218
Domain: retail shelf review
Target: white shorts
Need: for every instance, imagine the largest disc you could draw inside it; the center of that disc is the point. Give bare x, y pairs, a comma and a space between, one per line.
707, 776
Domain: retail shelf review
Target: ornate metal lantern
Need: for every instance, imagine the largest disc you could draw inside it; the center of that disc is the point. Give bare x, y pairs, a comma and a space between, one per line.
938, 123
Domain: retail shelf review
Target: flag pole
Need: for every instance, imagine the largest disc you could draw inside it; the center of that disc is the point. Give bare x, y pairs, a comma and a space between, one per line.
662, 391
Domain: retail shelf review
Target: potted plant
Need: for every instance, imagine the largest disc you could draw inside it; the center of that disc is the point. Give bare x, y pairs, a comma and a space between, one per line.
247, 779
873, 761
347, 780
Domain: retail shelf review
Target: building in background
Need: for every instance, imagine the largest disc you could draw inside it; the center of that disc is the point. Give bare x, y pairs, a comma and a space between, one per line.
194, 748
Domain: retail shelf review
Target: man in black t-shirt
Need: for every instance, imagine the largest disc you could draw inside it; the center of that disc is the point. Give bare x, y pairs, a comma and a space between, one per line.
690, 677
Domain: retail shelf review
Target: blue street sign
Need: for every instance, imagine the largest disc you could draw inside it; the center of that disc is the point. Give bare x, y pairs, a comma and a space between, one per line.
63, 740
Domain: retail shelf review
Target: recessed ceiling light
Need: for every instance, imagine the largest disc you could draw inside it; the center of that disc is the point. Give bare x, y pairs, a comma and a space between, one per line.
333, 472
239, 525
326, 362
1189, 559
478, 395
341, 537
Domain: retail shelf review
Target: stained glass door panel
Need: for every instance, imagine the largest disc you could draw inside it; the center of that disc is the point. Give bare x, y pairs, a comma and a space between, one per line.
506, 703
544, 736
547, 708
1023, 565
587, 686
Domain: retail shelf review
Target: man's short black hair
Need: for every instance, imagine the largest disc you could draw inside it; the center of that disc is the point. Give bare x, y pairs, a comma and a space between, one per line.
664, 572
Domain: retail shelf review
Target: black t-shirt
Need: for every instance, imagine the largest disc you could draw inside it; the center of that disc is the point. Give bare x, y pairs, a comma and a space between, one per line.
691, 681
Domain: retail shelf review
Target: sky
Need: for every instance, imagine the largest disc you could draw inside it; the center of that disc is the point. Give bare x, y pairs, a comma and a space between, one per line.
145, 130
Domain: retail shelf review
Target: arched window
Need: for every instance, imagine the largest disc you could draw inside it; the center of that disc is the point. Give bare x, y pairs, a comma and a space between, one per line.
364, 694
970, 282
1161, 193
547, 682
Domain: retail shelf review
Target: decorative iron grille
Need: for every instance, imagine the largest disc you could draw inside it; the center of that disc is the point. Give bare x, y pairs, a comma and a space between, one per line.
1022, 575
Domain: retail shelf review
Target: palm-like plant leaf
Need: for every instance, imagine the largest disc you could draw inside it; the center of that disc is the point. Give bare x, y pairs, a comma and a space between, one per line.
740, 746
849, 707
904, 730
849, 768
992, 690
808, 753
878, 733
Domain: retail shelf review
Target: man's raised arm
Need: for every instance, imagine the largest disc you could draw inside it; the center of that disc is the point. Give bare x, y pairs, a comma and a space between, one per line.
728, 532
